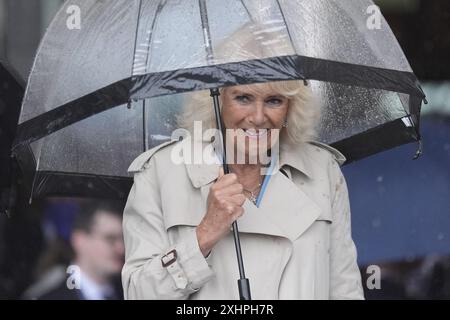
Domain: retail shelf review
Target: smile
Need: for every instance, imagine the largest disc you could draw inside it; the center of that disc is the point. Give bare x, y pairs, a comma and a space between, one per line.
255, 133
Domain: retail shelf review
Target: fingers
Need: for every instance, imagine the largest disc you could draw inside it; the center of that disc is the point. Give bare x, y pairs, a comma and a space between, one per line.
225, 199
230, 190
238, 212
234, 212
238, 199
226, 180
232, 205
227, 206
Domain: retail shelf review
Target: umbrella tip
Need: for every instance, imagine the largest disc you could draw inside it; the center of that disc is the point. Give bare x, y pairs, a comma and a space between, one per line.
419, 150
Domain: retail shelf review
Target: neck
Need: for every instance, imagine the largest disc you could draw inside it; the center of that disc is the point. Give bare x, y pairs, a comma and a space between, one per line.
245, 169
88, 271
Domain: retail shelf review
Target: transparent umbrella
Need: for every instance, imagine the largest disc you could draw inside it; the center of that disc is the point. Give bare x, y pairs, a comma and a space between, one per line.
107, 86
76, 137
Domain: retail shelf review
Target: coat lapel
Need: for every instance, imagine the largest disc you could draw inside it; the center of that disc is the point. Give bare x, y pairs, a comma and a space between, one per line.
287, 206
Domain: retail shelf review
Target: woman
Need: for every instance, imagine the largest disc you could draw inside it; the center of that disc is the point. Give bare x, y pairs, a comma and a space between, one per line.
296, 243
293, 217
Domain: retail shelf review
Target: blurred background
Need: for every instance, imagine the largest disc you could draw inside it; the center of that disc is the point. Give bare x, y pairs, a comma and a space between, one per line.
400, 207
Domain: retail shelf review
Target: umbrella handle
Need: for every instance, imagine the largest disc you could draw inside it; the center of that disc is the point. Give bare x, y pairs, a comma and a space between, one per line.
244, 289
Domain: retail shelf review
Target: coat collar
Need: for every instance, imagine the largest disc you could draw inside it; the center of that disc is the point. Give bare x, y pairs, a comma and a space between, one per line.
285, 210
291, 155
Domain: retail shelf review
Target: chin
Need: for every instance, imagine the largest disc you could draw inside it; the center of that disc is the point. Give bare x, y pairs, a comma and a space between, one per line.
251, 155
116, 268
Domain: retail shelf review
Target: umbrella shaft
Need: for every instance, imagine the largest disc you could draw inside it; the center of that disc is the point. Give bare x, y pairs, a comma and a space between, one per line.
243, 283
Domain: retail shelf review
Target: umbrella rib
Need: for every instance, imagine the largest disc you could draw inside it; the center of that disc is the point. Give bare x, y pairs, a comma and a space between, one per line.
150, 36
138, 67
206, 32
143, 49
248, 12
145, 67
287, 27
136, 37
144, 124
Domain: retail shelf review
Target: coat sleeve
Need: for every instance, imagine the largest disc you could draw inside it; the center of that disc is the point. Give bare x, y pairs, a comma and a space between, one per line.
146, 241
345, 277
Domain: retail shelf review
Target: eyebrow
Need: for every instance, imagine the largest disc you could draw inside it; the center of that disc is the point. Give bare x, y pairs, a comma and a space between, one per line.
240, 92
236, 91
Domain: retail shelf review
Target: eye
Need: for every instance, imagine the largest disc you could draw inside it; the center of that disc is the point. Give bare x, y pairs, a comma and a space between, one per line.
243, 98
274, 101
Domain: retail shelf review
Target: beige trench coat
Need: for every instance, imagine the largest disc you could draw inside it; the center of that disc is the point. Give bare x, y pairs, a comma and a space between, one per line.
296, 245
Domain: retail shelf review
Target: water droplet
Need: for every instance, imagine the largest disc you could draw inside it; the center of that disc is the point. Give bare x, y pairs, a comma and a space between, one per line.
376, 223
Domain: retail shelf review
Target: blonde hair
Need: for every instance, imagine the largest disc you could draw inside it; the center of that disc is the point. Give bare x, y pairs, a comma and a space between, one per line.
256, 42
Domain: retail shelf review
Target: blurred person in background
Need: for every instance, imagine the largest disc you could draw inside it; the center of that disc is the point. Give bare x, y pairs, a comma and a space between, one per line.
98, 255
57, 254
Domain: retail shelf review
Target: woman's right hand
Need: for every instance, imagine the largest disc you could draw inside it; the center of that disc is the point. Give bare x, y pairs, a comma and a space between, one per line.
224, 206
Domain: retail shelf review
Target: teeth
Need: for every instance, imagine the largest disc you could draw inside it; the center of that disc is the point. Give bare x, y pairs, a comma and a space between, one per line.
255, 132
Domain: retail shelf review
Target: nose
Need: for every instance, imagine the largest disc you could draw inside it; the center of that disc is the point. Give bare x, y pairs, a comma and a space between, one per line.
258, 116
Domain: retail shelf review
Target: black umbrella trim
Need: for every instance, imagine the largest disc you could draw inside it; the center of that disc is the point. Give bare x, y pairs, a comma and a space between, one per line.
50, 183
274, 69
72, 112
186, 80
56, 184
384, 137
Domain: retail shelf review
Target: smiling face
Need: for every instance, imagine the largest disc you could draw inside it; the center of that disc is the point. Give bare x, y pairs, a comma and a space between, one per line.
254, 113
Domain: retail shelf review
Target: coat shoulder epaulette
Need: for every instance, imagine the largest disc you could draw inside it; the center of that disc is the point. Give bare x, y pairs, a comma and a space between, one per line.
337, 155
140, 163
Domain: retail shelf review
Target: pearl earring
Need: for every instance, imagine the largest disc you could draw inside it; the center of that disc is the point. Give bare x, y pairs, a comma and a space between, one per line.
285, 123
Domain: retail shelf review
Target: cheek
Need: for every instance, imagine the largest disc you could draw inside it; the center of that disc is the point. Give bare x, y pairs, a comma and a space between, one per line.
277, 116
99, 249
232, 115
284, 111
96, 247
92, 251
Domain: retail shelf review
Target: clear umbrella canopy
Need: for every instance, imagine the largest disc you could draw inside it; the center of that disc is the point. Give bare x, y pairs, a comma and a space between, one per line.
100, 94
